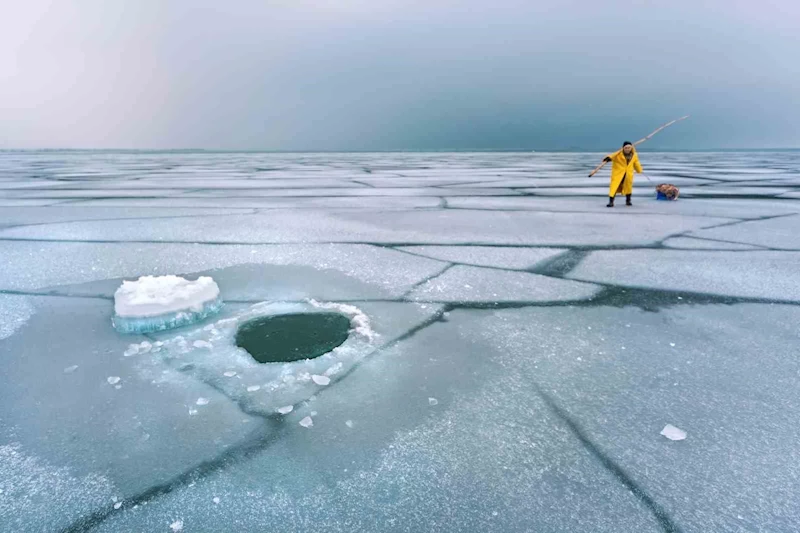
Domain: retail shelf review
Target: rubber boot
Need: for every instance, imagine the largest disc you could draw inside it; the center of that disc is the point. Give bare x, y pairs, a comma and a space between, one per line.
610, 201
628, 200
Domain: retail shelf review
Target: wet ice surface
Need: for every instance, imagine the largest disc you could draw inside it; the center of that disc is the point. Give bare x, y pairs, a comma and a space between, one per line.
517, 348
14, 312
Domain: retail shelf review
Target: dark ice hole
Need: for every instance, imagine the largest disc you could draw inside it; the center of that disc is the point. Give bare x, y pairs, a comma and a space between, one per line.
292, 337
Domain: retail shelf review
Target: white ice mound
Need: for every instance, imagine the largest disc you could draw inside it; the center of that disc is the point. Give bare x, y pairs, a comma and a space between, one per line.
156, 303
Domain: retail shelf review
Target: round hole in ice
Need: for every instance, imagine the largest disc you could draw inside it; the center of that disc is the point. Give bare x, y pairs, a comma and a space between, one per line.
292, 337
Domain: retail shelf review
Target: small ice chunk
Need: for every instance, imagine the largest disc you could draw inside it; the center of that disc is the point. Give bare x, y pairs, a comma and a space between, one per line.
335, 369
349, 423
216, 499
253, 388
286, 409
192, 412
202, 344
673, 433
321, 380
70, 369
113, 380
672, 344
229, 374
202, 401
177, 525
117, 505
433, 401
133, 349
117, 387
307, 422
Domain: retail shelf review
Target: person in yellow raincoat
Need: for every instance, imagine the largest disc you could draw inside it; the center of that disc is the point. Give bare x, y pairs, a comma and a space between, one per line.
623, 164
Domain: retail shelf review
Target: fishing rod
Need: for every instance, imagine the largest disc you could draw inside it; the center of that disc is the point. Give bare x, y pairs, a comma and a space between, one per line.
640, 141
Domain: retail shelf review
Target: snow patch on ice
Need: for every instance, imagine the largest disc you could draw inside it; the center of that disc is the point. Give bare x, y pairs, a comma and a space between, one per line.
177, 525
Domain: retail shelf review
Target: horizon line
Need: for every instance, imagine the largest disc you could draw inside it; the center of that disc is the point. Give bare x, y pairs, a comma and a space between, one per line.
386, 151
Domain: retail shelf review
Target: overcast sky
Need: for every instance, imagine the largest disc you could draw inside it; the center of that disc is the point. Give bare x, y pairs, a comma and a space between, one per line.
398, 74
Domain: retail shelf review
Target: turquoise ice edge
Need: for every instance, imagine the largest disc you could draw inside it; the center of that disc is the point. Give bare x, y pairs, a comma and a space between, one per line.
139, 325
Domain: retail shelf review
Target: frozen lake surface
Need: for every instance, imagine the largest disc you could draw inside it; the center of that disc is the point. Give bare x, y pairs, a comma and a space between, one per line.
519, 349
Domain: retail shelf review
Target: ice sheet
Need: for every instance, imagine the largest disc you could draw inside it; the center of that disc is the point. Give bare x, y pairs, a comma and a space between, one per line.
15, 310
352, 192
779, 233
733, 191
621, 375
376, 202
70, 212
67, 194
64, 405
475, 284
36, 495
488, 456
501, 257
689, 243
387, 271
514, 402
762, 274
718, 207
385, 227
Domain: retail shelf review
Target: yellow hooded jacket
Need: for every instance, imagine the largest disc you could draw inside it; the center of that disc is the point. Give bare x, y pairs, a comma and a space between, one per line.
621, 169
